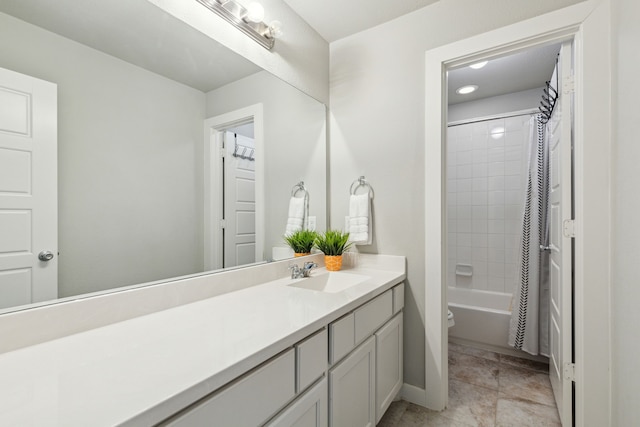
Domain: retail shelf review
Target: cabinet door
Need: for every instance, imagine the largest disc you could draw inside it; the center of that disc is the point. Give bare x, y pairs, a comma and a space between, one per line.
388, 364
352, 388
310, 410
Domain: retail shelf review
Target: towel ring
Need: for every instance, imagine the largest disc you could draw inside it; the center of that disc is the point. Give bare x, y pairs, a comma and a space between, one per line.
295, 190
361, 182
299, 187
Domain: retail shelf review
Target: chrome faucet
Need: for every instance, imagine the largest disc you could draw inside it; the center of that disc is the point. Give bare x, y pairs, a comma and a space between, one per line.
298, 272
308, 266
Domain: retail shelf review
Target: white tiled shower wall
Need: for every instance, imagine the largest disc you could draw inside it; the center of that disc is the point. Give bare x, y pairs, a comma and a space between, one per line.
486, 180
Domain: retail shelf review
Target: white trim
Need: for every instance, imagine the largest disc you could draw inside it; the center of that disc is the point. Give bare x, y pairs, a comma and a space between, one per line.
213, 128
588, 24
413, 394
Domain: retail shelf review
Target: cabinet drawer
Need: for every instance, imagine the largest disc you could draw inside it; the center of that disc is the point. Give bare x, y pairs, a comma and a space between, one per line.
308, 410
342, 337
312, 357
249, 401
372, 315
398, 298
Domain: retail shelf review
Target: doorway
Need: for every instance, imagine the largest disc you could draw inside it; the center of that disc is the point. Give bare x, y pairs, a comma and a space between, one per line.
585, 23
508, 187
234, 189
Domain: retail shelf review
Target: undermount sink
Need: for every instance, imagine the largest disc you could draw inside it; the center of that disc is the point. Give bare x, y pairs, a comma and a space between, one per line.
331, 282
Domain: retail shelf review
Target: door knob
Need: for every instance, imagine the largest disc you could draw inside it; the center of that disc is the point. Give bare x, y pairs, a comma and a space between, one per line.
45, 256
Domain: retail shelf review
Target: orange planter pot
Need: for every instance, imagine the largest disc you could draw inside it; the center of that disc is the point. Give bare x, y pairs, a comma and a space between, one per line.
297, 254
333, 262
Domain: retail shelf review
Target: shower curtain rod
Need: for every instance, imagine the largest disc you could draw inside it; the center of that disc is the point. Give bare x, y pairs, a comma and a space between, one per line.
494, 117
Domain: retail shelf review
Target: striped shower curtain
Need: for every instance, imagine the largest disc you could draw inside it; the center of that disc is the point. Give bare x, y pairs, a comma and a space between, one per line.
529, 329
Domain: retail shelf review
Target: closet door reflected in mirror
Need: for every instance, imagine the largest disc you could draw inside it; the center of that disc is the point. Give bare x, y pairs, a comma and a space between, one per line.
239, 198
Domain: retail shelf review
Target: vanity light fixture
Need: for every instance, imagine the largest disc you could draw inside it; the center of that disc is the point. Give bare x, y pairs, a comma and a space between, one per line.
255, 12
248, 20
478, 65
464, 90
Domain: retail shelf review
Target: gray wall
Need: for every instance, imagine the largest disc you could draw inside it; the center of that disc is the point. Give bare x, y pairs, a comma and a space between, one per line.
295, 145
377, 129
626, 205
129, 144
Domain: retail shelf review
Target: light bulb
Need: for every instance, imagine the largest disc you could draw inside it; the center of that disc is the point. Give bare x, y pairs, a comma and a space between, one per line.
275, 29
255, 12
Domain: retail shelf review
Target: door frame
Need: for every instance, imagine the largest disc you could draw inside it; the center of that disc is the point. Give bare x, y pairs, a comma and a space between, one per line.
588, 23
214, 128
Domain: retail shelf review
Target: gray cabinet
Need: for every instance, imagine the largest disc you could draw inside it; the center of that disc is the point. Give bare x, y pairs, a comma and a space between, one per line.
266, 389
388, 364
309, 410
352, 388
343, 375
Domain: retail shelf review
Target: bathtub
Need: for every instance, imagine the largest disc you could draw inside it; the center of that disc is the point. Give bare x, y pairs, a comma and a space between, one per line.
481, 318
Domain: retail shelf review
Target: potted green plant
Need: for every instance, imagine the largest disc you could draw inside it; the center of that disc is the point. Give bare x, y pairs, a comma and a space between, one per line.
301, 241
333, 243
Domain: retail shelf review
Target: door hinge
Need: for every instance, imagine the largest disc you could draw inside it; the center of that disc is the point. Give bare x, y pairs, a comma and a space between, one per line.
570, 372
569, 228
222, 152
223, 224
568, 85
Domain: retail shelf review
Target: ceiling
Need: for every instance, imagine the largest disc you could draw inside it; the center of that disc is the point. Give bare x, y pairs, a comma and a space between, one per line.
164, 45
525, 70
335, 19
159, 43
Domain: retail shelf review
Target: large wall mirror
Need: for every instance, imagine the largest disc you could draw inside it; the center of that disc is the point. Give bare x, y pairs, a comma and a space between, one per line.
138, 170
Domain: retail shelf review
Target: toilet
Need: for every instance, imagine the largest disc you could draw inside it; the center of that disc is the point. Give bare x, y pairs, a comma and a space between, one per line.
450, 320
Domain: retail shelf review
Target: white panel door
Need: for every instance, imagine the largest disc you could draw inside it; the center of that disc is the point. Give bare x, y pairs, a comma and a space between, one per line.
28, 189
559, 130
239, 203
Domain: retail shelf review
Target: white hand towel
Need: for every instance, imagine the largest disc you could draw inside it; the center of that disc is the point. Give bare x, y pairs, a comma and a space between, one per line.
296, 215
360, 231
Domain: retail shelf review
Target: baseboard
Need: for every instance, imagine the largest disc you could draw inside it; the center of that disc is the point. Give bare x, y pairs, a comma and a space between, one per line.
414, 394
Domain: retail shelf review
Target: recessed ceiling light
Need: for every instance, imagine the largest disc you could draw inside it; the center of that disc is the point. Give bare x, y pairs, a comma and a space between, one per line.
466, 89
478, 65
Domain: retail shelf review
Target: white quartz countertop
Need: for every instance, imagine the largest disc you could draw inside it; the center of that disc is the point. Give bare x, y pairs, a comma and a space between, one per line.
140, 371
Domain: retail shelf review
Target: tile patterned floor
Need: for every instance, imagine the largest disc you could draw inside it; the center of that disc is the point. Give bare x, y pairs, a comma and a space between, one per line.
486, 389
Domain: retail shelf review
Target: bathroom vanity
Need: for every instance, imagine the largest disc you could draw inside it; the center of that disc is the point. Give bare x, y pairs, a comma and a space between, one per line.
306, 352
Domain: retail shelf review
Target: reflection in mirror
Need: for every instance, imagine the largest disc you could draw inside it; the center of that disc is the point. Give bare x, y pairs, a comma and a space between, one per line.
134, 93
